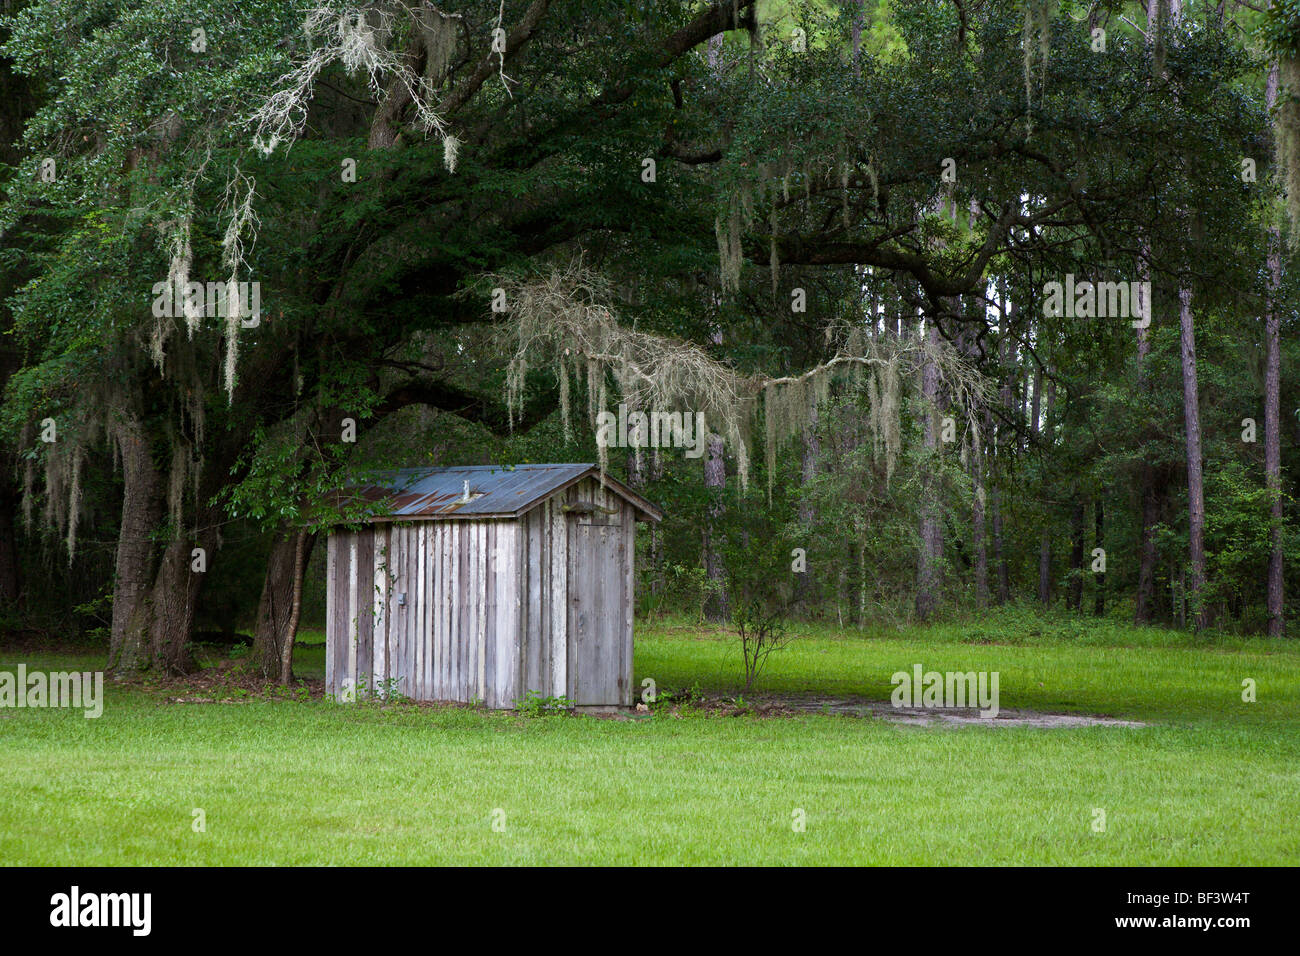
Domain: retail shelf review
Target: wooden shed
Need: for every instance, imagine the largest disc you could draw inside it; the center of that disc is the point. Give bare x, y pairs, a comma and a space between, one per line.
483, 583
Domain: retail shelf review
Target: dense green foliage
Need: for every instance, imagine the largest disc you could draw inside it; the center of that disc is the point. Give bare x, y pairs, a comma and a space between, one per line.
800, 152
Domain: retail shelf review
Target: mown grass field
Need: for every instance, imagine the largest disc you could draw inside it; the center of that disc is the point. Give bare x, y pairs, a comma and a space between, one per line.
1211, 780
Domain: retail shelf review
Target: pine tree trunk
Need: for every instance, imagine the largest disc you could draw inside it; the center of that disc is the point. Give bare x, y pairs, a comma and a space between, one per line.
1074, 599
1099, 602
1045, 569
1272, 414
1194, 593
1148, 558
927, 572
977, 524
811, 454
1147, 494
1045, 542
999, 556
716, 607
1273, 443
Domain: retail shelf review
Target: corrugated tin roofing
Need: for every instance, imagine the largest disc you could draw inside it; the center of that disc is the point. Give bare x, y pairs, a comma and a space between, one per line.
494, 490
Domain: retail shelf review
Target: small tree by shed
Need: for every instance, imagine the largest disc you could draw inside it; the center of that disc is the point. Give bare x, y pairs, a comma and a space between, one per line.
483, 583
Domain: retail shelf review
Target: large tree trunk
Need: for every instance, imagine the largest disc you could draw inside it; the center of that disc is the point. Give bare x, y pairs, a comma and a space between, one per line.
1194, 594
157, 587
142, 511
281, 592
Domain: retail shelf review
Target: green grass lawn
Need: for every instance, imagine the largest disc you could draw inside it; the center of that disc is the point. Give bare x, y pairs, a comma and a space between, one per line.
1212, 780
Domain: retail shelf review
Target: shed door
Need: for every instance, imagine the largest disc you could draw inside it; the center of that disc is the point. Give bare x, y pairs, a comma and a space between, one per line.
597, 651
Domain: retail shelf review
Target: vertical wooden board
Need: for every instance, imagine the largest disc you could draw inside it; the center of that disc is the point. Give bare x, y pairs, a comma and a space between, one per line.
576, 603
541, 600
383, 554
602, 580
401, 644
439, 582
509, 619
453, 606
393, 610
559, 598
405, 645
362, 610
417, 611
469, 640
446, 608
331, 600
480, 609
626, 645
537, 653
349, 680
437, 579
459, 683
341, 614
396, 611
365, 610
527, 618
414, 565
502, 646
487, 626
420, 564
338, 603
422, 622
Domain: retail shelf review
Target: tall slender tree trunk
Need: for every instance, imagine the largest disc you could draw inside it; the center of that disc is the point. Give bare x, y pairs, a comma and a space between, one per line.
1194, 588
301, 541
977, 523
1045, 568
811, 454
1074, 599
1045, 541
927, 572
1146, 476
1272, 413
1099, 602
999, 555
717, 606
1195, 591
1147, 559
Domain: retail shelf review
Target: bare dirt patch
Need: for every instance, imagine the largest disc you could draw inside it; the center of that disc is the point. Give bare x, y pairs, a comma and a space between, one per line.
792, 705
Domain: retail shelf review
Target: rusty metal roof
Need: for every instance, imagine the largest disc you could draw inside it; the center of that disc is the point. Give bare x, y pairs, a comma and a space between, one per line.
495, 491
